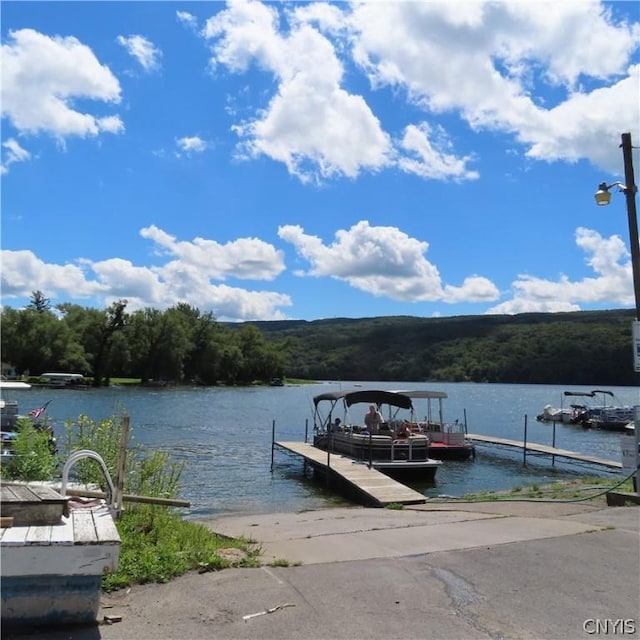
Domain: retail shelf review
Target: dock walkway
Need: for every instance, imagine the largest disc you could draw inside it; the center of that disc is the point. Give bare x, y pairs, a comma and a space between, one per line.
542, 449
376, 487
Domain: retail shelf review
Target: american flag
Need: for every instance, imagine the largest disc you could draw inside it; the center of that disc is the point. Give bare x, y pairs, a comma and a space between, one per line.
36, 413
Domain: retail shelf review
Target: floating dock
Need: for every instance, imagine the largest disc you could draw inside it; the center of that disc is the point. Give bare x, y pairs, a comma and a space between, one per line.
532, 448
373, 487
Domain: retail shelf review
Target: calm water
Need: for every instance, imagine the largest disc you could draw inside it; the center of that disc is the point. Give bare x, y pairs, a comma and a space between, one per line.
224, 437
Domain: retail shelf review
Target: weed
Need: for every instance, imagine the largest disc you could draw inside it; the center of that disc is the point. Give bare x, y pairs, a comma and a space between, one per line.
158, 545
280, 562
32, 455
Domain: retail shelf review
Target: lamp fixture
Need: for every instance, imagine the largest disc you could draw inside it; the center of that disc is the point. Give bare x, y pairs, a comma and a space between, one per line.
603, 195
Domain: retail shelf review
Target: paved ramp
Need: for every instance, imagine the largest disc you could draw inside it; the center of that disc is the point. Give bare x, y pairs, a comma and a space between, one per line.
335, 535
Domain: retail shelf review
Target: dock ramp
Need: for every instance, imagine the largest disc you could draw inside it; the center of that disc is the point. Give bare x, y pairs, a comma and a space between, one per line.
373, 486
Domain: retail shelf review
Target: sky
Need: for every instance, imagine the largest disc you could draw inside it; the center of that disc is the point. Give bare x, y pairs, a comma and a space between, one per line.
308, 160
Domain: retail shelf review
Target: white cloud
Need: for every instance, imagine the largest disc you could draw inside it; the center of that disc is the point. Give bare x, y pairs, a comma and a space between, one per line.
187, 19
13, 153
42, 76
191, 144
244, 258
613, 284
589, 125
312, 125
23, 272
187, 278
488, 62
143, 50
428, 155
382, 261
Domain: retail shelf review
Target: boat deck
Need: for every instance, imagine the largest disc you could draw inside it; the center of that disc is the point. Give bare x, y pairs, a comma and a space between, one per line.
376, 487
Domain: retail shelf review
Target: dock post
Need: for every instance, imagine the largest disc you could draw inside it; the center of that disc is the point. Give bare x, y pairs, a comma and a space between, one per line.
553, 444
121, 463
326, 477
306, 430
524, 449
273, 439
636, 435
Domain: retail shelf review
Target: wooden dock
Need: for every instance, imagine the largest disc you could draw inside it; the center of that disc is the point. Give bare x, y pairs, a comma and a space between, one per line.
542, 449
53, 556
375, 487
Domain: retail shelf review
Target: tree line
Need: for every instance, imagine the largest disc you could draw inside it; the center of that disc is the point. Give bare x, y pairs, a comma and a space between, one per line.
178, 345
183, 345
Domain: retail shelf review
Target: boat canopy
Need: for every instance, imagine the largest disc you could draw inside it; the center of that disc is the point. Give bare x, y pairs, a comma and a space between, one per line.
372, 396
585, 394
14, 384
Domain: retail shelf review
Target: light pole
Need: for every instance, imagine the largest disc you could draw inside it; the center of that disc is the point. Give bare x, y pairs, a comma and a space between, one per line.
603, 197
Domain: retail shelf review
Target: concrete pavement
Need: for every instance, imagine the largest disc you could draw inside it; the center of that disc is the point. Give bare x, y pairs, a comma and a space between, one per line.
455, 571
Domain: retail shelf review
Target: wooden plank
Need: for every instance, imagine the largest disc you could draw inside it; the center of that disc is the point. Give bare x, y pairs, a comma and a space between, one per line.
45, 492
14, 537
106, 530
23, 493
8, 494
38, 535
84, 530
62, 533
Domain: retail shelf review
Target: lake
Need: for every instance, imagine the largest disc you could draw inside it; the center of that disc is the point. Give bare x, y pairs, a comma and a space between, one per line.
223, 435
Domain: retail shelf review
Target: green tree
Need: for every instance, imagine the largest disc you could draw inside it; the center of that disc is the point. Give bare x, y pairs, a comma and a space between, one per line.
95, 330
159, 343
37, 341
38, 302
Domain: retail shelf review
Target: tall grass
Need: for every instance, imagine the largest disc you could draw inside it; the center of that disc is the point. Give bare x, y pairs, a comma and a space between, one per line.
32, 455
148, 473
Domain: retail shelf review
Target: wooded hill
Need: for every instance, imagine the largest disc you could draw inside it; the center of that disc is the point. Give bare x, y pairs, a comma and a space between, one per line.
586, 347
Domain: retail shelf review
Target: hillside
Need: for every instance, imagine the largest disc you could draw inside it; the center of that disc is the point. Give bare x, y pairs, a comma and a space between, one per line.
587, 347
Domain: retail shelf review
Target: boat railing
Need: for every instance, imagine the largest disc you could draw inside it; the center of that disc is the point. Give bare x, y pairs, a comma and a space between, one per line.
81, 454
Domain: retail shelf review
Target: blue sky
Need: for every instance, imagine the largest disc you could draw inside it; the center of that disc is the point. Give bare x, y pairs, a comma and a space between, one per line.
316, 160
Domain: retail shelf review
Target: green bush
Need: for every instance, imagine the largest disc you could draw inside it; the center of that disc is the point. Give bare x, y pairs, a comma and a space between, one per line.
157, 546
33, 457
148, 473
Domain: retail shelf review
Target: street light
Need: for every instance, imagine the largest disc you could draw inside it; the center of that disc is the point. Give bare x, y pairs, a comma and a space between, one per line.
603, 197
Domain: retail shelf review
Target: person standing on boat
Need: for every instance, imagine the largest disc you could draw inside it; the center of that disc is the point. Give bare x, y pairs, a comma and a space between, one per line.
373, 418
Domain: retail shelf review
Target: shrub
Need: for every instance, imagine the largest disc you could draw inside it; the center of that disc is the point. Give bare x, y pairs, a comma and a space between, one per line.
33, 457
146, 472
